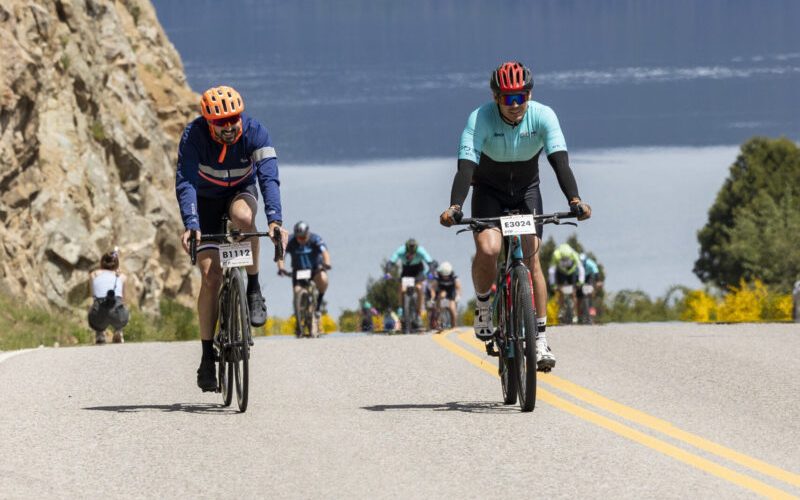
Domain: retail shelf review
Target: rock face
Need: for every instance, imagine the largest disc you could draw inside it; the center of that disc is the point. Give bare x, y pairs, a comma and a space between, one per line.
93, 99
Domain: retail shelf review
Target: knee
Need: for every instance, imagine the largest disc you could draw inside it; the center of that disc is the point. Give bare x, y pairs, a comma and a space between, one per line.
242, 217
487, 250
212, 278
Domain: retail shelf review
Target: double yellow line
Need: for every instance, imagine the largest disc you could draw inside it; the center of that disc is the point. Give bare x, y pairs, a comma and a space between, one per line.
640, 418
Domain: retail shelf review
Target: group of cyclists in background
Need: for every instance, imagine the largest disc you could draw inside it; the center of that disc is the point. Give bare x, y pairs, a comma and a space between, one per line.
225, 154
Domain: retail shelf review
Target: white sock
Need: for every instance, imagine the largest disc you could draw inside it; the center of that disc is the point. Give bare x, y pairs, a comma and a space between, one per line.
541, 324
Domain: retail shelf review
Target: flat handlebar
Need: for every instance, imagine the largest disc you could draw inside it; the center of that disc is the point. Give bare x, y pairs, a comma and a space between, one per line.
489, 222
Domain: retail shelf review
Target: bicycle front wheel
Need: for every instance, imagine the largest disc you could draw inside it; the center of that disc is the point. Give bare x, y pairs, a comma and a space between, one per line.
523, 318
445, 319
408, 315
239, 337
225, 376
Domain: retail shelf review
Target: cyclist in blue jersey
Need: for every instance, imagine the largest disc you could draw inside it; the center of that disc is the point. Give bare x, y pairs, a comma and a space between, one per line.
499, 157
222, 155
308, 252
414, 260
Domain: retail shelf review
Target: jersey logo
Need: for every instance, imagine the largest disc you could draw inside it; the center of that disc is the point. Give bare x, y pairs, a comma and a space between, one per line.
528, 133
499, 134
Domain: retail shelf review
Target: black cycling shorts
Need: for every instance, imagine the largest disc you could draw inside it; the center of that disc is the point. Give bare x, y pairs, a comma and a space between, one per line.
210, 211
566, 279
450, 291
490, 202
417, 271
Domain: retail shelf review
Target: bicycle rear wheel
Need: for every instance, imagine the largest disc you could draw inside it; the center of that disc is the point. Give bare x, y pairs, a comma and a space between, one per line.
523, 317
239, 337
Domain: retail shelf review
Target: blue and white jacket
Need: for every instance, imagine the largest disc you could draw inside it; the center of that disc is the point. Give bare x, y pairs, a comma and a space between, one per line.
201, 173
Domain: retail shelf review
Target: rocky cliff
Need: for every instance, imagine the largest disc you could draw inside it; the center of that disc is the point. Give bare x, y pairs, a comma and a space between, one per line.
93, 99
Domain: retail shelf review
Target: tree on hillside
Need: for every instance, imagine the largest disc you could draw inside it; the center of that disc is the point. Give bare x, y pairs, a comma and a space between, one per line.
753, 228
383, 294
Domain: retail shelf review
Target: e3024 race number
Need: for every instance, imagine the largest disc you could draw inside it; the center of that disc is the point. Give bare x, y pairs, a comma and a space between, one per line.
517, 224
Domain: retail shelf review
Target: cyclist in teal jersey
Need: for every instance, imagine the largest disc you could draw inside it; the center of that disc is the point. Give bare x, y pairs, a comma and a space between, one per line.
414, 259
499, 157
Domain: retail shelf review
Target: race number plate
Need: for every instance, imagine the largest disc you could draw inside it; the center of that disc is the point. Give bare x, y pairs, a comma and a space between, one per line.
517, 224
303, 274
236, 254
407, 282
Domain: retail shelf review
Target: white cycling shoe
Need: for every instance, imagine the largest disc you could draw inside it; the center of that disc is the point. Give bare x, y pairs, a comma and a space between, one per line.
483, 321
545, 361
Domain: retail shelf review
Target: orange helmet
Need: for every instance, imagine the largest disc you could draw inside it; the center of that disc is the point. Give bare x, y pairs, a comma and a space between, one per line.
221, 102
512, 76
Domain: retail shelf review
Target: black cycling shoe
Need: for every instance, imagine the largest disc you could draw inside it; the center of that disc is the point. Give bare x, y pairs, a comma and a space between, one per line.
207, 375
258, 309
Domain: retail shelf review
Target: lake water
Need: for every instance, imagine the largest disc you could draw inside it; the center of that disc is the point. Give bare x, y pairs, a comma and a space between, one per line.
365, 101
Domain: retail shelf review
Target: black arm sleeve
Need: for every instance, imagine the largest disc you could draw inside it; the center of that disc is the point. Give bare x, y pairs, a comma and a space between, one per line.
462, 182
560, 163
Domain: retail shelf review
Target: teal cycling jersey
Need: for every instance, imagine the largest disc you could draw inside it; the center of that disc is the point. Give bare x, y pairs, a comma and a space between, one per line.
488, 134
590, 266
420, 256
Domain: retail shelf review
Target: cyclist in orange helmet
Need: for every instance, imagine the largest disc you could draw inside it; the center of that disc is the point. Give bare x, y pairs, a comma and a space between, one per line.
222, 155
499, 157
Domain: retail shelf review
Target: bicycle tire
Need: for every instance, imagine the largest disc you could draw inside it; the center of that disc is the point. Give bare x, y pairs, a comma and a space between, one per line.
569, 311
523, 316
445, 319
304, 319
239, 337
408, 316
585, 305
505, 365
225, 378
224, 368
311, 308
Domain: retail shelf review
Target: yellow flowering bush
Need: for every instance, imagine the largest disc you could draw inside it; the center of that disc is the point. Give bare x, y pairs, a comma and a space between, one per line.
699, 307
552, 311
327, 324
743, 304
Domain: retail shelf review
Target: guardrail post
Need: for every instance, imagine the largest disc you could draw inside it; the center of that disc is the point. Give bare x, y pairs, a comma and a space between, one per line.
796, 302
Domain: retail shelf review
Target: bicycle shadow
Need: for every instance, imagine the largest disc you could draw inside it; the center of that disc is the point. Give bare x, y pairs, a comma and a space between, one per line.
197, 408
461, 406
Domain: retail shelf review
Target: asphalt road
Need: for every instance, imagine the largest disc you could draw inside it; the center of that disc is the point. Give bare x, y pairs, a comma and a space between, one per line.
631, 411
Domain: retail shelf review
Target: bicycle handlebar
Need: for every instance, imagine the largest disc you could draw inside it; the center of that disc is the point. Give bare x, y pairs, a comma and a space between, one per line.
276, 238
489, 222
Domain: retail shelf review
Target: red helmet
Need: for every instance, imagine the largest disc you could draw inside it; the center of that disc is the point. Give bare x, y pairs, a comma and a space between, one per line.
511, 76
221, 102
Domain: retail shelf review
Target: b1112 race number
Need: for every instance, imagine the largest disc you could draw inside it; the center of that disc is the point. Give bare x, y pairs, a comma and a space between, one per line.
236, 254
517, 224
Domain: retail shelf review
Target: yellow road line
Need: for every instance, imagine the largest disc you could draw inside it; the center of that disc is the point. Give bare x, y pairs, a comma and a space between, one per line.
623, 430
657, 424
